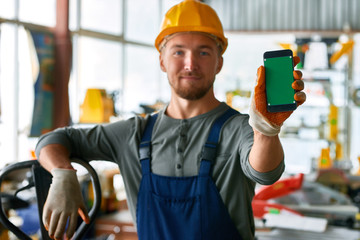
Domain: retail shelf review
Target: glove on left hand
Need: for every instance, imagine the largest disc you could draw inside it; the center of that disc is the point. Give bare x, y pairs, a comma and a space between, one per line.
63, 203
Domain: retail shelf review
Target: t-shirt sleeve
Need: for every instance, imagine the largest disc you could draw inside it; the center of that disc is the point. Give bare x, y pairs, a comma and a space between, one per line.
101, 142
266, 178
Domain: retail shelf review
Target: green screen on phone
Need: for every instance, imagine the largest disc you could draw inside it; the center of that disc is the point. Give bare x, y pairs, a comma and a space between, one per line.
279, 77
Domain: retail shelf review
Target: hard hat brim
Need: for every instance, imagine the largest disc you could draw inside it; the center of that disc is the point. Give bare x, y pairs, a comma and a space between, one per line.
178, 29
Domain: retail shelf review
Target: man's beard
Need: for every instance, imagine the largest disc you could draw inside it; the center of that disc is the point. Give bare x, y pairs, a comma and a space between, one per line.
191, 93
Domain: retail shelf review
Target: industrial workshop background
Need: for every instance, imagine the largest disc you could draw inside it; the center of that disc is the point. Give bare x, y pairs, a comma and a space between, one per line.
96, 49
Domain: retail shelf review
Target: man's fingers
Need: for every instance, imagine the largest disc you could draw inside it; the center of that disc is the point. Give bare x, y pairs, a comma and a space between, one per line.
72, 226
59, 233
296, 60
300, 97
53, 224
261, 75
298, 85
84, 215
46, 219
297, 75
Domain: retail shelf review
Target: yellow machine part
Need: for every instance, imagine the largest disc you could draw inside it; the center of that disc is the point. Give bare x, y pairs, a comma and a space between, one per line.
339, 153
289, 46
345, 48
97, 107
333, 122
324, 159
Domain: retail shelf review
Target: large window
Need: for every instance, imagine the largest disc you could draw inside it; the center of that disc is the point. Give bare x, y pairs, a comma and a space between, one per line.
37, 11
17, 69
138, 27
40, 12
97, 64
112, 50
142, 77
101, 16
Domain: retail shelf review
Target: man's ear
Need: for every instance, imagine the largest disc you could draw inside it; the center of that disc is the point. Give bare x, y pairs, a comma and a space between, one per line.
161, 61
220, 64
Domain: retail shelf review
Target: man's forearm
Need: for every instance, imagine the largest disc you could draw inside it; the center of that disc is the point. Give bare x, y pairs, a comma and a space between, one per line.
54, 156
266, 153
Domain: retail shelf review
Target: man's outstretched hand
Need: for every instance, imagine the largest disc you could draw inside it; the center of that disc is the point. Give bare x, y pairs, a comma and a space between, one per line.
269, 123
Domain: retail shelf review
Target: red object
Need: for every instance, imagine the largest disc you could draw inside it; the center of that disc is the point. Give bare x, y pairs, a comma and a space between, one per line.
283, 187
260, 208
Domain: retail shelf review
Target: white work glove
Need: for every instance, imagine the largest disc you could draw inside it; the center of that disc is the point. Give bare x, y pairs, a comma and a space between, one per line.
258, 122
64, 202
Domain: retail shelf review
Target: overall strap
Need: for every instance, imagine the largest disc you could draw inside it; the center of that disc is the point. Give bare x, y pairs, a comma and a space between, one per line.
208, 154
145, 144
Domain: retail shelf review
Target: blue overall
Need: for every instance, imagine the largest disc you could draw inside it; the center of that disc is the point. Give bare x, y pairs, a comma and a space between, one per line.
183, 208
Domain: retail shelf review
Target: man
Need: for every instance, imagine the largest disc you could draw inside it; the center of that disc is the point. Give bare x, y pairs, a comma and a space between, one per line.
190, 170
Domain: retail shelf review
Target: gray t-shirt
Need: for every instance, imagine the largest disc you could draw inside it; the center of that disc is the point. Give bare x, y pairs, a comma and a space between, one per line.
176, 150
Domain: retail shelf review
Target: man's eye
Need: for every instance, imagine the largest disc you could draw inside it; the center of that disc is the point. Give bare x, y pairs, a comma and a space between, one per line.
178, 53
204, 54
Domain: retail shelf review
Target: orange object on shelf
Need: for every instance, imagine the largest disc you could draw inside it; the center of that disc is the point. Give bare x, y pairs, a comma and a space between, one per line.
333, 122
32, 155
324, 159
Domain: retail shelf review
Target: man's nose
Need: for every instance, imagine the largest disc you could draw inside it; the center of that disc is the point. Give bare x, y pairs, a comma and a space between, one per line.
190, 62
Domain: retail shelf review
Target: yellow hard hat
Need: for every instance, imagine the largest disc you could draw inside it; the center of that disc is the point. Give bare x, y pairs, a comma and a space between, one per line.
192, 16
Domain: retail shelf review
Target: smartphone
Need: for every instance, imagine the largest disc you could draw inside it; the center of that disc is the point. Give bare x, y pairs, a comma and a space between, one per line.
279, 76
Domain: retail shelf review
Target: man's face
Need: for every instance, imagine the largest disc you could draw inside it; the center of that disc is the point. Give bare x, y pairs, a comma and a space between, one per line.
191, 61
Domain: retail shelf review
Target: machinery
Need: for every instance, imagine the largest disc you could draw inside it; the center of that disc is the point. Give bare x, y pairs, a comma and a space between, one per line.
260, 203
97, 107
40, 179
